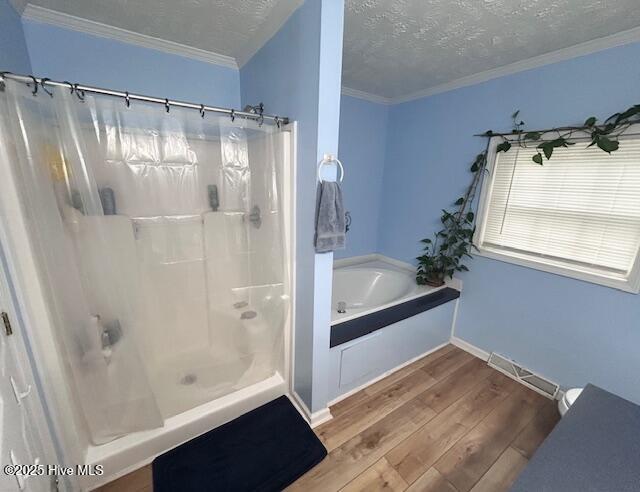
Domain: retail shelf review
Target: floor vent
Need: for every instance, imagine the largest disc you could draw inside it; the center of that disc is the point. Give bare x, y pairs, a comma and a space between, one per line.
529, 379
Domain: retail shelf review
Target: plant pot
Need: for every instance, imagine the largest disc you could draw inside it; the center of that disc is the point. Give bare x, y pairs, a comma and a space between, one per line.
435, 280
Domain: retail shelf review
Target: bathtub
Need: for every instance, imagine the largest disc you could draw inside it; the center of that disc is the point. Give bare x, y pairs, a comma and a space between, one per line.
372, 283
389, 321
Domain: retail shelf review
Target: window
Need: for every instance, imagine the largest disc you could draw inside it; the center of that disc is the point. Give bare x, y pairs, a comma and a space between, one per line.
577, 215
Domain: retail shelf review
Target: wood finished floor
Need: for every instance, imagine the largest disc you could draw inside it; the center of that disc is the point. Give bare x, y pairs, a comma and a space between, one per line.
447, 422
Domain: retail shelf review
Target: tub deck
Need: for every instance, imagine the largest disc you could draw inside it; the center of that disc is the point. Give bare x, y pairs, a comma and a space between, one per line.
446, 422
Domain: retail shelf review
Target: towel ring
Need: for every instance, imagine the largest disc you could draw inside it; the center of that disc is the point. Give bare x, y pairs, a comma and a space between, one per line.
329, 159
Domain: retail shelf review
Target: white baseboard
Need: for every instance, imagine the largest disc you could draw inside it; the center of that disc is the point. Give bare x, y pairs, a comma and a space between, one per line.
313, 419
320, 417
384, 375
472, 349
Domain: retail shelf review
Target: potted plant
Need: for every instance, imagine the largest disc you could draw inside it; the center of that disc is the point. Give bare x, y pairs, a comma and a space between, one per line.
443, 255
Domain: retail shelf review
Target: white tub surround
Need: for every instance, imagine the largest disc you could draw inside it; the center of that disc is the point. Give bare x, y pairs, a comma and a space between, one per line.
375, 288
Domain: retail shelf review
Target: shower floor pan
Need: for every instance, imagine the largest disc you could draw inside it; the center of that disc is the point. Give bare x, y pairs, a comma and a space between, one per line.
193, 379
140, 448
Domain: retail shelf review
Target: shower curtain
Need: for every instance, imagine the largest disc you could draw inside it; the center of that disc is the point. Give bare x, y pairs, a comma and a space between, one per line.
164, 273
79, 257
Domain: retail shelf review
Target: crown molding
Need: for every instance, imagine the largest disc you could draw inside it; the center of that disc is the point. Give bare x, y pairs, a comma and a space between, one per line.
367, 96
582, 49
276, 18
18, 5
67, 21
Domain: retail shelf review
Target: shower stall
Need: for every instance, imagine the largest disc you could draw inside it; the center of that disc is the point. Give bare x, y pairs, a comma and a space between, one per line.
158, 242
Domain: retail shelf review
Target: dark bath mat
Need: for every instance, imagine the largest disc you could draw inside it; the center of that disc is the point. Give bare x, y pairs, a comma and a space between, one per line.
263, 450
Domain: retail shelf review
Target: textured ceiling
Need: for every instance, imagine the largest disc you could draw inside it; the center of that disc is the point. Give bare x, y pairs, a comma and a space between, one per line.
394, 48
220, 26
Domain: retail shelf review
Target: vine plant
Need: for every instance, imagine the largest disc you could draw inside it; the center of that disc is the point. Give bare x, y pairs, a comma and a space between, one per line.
445, 254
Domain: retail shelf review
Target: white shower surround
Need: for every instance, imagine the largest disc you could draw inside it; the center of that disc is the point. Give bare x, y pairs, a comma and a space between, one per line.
132, 451
129, 452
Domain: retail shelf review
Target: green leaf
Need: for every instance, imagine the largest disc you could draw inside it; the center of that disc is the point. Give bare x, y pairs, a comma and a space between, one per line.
470, 216
504, 146
475, 167
464, 268
426, 240
547, 149
607, 144
515, 115
459, 201
590, 121
532, 136
537, 158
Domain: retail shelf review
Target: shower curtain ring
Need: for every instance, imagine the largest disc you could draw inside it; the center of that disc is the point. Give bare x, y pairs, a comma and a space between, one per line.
42, 84
35, 85
233, 115
261, 112
79, 92
166, 104
70, 86
277, 120
2, 81
202, 110
127, 101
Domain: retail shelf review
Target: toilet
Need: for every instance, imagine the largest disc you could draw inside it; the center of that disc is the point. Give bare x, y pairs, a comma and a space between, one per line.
568, 399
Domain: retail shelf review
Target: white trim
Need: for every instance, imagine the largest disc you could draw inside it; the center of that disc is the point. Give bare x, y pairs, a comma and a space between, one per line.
358, 260
67, 21
292, 231
472, 349
367, 96
323, 415
23, 369
582, 49
355, 260
385, 374
314, 419
276, 18
630, 284
454, 321
18, 5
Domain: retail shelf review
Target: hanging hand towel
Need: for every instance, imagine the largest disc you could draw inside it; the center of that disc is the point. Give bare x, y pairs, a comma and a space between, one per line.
330, 222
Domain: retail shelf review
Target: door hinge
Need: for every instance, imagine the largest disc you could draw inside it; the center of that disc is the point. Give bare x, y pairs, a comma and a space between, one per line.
7, 324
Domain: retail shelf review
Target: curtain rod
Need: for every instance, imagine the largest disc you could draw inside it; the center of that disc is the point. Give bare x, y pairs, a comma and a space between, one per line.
167, 103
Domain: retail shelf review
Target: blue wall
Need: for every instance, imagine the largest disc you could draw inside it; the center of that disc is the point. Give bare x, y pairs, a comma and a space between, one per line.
297, 73
13, 49
363, 133
571, 331
62, 54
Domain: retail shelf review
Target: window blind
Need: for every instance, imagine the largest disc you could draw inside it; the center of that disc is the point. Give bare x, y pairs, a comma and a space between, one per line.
580, 210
